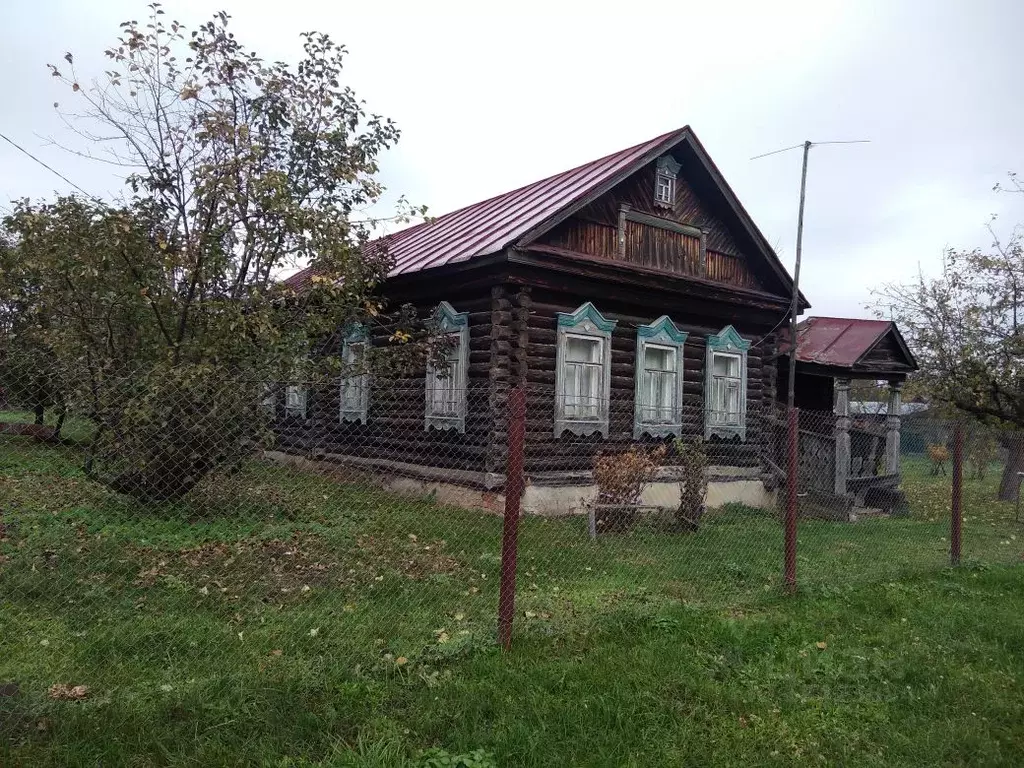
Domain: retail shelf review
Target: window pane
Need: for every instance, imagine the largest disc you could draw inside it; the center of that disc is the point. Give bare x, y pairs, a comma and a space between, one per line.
659, 358
732, 401
445, 395
454, 347
354, 353
579, 350
726, 365
590, 377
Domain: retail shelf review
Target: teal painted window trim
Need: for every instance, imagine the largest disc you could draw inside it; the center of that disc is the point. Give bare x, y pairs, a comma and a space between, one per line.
585, 312
575, 412
728, 338
726, 344
355, 386
445, 404
661, 334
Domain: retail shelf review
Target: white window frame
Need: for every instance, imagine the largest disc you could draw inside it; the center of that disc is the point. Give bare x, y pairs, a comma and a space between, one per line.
296, 401
661, 334
455, 326
585, 322
667, 171
726, 343
357, 336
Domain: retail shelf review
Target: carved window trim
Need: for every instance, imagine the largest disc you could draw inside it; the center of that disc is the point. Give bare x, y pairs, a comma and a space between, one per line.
354, 408
585, 323
666, 173
662, 334
455, 326
726, 343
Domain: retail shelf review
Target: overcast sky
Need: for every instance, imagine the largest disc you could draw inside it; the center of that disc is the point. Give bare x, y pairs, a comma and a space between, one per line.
488, 101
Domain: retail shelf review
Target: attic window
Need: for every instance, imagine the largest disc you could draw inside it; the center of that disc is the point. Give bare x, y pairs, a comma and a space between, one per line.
665, 181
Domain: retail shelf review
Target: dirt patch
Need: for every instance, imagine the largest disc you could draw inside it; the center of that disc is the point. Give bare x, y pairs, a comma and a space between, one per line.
413, 558
272, 567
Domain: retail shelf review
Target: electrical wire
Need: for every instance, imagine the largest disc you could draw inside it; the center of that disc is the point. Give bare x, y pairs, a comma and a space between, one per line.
47, 167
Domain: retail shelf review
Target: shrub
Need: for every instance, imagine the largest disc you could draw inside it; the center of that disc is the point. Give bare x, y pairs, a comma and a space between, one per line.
939, 455
620, 479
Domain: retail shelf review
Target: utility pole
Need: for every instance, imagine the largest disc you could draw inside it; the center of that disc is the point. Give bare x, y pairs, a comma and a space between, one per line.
794, 307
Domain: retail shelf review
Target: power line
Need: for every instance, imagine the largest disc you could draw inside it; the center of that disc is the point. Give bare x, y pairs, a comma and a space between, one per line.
813, 144
47, 167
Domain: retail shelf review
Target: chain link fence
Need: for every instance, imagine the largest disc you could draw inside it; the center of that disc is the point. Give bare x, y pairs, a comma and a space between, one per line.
161, 539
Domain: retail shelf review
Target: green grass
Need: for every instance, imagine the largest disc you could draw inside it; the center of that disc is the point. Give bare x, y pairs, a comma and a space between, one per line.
75, 428
287, 619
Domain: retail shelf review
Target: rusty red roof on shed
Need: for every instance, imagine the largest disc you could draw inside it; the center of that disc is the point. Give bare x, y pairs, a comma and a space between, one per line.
837, 341
490, 225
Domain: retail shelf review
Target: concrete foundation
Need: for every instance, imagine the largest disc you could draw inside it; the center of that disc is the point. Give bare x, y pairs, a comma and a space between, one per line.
547, 494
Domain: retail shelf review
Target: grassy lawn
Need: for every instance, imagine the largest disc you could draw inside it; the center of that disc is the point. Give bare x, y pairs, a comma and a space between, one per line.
286, 619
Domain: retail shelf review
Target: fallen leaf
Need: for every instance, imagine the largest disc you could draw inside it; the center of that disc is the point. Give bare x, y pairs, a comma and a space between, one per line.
276, 652
460, 616
401, 660
821, 645
314, 632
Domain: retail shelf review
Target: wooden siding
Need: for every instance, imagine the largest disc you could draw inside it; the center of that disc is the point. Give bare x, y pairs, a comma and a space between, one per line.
638, 193
595, 232
885, 355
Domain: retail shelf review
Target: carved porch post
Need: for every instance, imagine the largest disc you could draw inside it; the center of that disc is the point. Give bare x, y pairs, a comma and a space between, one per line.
842, 435
892, 429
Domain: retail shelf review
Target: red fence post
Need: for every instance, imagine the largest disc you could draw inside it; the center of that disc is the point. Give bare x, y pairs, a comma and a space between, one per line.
789, 523
514, 486
956, 501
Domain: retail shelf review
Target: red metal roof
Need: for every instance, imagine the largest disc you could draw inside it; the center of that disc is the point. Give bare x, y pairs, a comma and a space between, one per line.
837, 341
491, 225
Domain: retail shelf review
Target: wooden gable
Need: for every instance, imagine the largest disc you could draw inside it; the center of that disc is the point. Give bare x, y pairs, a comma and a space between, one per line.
691, 237
889, 354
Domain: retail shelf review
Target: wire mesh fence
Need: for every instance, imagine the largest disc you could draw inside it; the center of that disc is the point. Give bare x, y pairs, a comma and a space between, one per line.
164, 531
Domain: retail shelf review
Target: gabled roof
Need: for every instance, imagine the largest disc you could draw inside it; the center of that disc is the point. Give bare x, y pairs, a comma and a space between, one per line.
843, 342
518, 217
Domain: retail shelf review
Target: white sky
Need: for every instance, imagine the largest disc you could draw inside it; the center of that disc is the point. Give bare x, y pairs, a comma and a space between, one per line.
489, 100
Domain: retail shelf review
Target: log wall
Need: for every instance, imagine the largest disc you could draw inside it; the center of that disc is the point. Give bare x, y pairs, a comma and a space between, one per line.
546, 452
395, 425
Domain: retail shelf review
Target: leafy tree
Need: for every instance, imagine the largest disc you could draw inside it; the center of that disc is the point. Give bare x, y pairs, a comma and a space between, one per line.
966, 327
164, 315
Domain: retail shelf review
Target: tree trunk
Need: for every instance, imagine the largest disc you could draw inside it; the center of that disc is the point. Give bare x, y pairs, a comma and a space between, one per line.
40, 412
61, 415
1010, 482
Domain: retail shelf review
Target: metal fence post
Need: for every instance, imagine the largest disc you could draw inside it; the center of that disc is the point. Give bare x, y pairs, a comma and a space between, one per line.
789, 523
514, 486
956, 500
